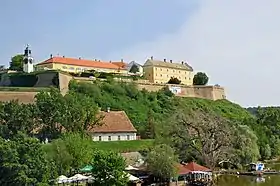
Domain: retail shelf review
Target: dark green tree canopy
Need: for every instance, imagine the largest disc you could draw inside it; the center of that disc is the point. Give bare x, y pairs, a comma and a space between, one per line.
200, 79
17, 63
174, 80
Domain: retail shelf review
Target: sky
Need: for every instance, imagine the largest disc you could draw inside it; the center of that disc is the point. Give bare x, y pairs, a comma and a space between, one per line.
236, 42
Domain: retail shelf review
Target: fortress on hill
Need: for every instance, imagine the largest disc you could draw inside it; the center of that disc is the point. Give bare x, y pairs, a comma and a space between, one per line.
58, 71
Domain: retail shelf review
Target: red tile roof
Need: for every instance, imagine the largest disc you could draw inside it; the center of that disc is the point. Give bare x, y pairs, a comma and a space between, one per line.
192, 166
81, 62
120, 64
182, 169
114, 121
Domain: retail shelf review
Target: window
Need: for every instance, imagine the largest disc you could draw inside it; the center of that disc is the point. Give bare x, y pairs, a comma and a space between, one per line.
78, 69
128, 137
160, 75
167, 75
156, 74
71, 68
160, 69
109, 138
64, 67
173, 70
167, 70
179, 71
99, 138
119, 138
156, 68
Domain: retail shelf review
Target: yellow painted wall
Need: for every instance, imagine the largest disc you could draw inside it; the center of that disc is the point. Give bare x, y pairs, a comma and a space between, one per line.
77, 69
161, 75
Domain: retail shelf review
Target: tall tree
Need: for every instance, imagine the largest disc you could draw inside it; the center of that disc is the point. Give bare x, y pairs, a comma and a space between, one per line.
207, 135
162, 161
17, 63
108, 169
23, 162
200, 79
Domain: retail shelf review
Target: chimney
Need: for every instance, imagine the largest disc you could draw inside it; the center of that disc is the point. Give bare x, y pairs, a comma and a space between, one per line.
182, 62
170, 60
95, 59
164, 60
98, 60
108, 109
63, 56
110, 61
51, 55
79, 57
121, 60
152, 57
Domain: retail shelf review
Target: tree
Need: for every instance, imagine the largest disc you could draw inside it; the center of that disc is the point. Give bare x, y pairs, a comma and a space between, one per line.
73, 112
23, 162
205, 135
72, 151
162, 161
108, 169
200, 79
134, 69
174, 80
17, 63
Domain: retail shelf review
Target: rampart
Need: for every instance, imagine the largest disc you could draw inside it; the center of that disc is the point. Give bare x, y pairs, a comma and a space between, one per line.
206, 92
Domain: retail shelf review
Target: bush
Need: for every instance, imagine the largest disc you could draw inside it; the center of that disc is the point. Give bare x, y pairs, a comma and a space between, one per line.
174, 80
200, 79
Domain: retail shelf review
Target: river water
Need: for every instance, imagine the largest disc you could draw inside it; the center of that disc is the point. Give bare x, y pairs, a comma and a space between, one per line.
234, 180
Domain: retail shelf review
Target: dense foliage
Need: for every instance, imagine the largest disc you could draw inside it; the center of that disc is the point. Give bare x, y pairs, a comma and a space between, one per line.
16, 62
200, 78
191, 128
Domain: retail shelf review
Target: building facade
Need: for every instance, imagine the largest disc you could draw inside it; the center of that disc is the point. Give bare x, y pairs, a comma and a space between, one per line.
115, 126
28, 61
161, 71
79, 65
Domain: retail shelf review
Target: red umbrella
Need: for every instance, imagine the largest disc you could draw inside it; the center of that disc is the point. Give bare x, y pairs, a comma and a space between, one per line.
192, 166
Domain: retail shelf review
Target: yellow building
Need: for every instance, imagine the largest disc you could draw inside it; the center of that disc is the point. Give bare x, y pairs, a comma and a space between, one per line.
161, 71
79, 65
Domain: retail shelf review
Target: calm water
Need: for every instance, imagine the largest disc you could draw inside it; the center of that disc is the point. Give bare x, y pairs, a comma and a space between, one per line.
234, 180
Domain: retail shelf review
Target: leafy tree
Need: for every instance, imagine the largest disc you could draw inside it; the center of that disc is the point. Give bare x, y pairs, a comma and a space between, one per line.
17, 117
174, 80
162, 161
266, 152
200, 79
206, 135
17, 63
246, 149
108, 169
134, 69
23, 162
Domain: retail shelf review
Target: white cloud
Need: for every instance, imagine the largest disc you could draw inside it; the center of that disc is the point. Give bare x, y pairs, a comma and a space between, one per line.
235, 41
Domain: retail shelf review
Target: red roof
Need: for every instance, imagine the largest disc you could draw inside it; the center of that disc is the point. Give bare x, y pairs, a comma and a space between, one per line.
192, 166
114, 121
81, 62
182, 169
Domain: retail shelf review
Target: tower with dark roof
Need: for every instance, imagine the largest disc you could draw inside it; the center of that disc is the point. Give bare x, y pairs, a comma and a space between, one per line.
28, 61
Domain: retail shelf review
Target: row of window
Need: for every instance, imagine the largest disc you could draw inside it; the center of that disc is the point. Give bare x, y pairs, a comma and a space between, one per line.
72, 68
170, 76
109, 138
168, 69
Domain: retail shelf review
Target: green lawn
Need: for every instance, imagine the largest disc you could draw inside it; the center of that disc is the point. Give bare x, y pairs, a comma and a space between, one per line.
124, 146
24, 89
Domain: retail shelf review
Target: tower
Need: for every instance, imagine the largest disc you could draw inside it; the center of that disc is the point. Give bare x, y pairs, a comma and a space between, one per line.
28, 60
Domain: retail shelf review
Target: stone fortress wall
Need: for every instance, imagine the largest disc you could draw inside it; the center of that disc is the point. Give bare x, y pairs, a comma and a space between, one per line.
206, 92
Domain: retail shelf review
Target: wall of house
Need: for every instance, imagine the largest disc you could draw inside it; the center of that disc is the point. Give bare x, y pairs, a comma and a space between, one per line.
206, 92
161, 75
78, 69
114, 136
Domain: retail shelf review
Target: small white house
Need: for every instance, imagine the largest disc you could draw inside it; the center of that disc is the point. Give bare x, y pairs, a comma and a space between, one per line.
140, 68
116, 126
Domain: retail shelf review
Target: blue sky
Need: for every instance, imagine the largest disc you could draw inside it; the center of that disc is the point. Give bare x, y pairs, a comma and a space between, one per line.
235, 42
87, 28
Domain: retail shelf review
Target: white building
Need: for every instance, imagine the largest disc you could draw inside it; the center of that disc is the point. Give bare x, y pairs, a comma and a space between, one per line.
28, 61
116, 126
133, 63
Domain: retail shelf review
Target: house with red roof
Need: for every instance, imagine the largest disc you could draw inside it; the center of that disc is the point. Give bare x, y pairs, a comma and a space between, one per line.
115, 126
77, 65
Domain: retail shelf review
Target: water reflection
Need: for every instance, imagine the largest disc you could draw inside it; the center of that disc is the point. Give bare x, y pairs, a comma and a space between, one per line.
234, 180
